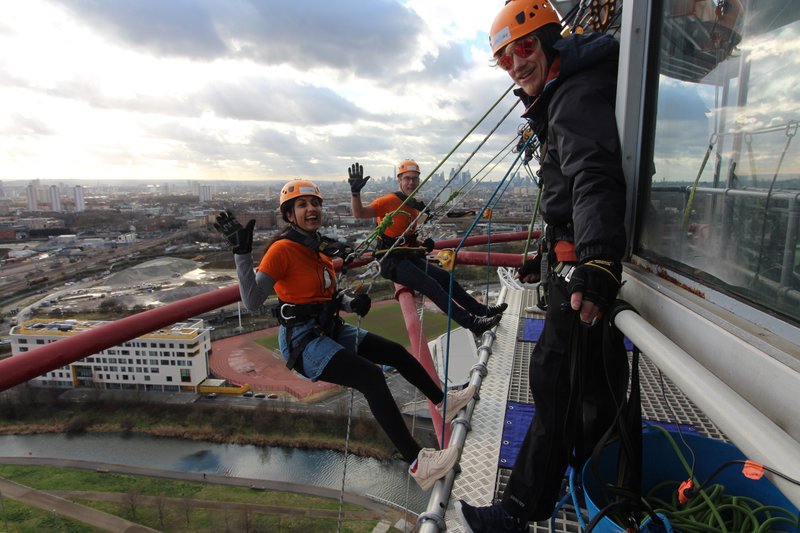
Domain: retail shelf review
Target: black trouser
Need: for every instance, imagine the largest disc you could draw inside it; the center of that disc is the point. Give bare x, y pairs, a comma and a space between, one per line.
361, 372
535, 482
434, 282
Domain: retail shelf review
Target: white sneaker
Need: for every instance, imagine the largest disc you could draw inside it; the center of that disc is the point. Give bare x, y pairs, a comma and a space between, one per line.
456, 401
433, 465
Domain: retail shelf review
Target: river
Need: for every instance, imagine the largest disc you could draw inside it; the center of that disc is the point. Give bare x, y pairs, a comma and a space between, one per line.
385, 479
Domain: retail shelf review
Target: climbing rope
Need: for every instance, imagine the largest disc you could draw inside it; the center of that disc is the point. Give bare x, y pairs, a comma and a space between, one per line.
715, 510
340, 282
474, 180
388, 218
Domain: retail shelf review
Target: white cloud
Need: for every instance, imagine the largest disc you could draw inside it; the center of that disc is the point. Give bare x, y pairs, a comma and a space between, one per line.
210, 89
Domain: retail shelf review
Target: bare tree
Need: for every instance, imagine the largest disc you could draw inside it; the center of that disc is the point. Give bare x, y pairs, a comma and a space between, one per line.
161, 508
188, 505
131, 500
246, 520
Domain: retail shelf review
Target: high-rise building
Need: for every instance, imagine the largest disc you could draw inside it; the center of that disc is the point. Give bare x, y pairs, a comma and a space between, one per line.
80, 205
205, 193
55, 199
32, 196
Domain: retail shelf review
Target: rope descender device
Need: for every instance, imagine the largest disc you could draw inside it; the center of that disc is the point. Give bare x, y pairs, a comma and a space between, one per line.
447, 259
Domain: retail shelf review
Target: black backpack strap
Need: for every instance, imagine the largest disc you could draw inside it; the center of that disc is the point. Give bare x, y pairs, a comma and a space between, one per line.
318, 243
413, 203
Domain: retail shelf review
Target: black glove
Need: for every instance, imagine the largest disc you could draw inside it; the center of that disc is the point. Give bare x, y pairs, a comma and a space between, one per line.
599, 280
428, 244
531, 266
361, 304
353, 302
239, 237
356, 179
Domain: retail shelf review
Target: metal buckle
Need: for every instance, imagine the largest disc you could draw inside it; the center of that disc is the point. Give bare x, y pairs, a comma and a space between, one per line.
541, 296
565, 270
568, 273
284, 317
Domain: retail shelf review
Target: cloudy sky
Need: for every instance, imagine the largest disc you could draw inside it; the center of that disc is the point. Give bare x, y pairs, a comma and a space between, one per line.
242, 89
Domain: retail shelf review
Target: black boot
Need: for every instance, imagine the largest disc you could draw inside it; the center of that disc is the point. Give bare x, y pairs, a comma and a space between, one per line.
493, 310
480, 324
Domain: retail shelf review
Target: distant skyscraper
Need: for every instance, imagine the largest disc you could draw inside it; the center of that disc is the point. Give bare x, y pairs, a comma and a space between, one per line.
80, 205
205, 193
31, 196
2, 192
55, 199
165, 188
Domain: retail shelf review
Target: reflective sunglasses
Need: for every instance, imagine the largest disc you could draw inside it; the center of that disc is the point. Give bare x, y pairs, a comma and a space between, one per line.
521, 48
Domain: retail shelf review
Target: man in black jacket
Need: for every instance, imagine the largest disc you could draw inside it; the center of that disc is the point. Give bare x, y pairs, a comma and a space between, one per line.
568, 86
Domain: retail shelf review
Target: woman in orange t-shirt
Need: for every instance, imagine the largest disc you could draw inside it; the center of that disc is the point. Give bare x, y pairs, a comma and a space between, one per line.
313, 339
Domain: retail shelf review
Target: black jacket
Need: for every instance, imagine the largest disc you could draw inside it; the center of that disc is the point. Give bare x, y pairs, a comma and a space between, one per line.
581, 165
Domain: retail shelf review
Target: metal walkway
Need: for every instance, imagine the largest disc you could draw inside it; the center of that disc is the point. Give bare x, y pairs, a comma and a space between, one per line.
482, 479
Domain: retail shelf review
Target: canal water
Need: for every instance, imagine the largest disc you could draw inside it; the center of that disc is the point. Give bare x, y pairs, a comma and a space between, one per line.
385, 479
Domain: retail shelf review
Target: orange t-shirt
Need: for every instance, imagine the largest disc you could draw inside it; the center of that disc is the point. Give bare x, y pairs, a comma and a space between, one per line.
300, 275
401, 220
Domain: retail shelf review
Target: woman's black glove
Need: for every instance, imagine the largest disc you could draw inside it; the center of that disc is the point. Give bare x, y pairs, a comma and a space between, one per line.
428, 244
361, 304
239, 237
599, 280
531, 266
352, 302
356, 179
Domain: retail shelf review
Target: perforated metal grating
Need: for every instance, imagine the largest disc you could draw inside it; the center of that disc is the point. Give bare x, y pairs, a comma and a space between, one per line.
481, 480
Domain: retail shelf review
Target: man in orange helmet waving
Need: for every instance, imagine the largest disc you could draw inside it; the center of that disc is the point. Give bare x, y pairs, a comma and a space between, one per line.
405, 264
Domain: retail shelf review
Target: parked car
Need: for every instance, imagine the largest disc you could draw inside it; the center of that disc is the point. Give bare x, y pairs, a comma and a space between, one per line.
260, 395
248, 394
211, 395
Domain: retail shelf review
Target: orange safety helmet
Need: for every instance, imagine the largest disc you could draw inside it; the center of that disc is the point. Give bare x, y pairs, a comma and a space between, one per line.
299, 187
517, 19
407, 165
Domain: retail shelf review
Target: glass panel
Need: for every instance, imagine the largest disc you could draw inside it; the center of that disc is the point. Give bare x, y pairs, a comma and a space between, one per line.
724, 199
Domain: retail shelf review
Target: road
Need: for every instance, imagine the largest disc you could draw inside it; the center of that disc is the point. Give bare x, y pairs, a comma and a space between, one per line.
62, 507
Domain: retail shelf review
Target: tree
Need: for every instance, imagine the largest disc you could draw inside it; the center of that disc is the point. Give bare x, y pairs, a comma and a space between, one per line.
187, 509
161, 508
131, 500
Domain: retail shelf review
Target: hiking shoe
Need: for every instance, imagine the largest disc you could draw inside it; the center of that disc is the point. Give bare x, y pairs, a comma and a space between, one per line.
456, 400
481, 324
433, 465
493, 310
489, 519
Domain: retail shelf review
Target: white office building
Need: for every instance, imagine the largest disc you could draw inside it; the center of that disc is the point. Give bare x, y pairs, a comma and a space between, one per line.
170, 359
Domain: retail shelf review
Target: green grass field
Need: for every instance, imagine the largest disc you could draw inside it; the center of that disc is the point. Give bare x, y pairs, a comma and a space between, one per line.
170, 505
386, 321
